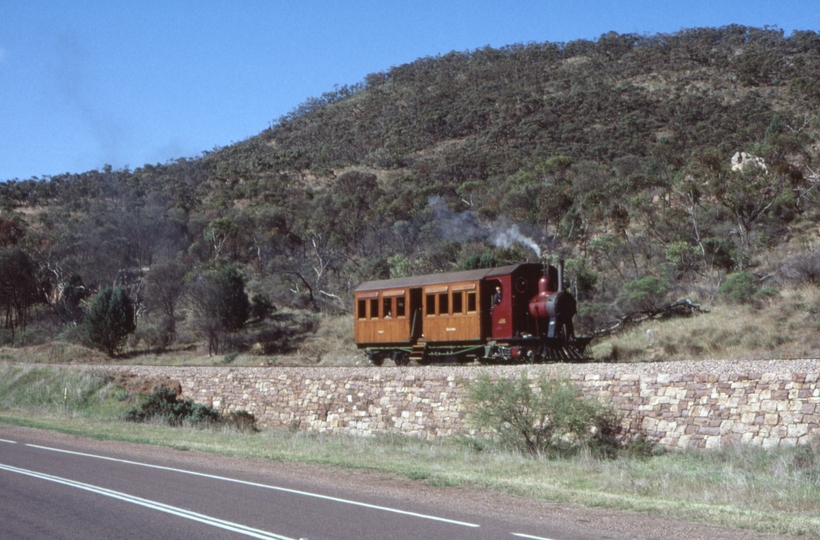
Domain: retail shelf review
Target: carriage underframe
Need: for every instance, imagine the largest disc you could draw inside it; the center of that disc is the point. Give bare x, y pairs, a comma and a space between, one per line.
526, 350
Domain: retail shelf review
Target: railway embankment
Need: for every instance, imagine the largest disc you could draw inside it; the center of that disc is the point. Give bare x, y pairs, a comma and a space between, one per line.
702, 404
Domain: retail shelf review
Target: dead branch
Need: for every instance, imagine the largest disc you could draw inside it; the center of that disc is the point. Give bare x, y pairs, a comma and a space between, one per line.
680, 308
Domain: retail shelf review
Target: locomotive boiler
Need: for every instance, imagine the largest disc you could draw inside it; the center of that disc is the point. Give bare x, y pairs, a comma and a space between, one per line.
519, 313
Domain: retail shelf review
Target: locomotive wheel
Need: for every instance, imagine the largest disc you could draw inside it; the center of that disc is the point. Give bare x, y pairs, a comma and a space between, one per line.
564, 334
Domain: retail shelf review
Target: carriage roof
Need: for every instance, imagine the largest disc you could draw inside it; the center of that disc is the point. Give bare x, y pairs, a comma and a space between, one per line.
446, 277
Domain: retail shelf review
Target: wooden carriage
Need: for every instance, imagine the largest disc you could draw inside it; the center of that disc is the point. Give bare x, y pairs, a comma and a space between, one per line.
449, 314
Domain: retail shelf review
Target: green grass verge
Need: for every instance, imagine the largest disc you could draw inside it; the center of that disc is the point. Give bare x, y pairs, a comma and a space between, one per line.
771, 491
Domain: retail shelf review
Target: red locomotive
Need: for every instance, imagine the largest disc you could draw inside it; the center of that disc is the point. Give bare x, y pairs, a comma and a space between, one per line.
512, 314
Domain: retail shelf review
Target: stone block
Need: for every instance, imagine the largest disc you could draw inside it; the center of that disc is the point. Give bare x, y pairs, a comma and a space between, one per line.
797, 430
771, 442
768, 406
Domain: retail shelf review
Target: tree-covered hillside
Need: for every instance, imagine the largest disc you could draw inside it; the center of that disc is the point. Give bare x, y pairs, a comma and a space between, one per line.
658, 167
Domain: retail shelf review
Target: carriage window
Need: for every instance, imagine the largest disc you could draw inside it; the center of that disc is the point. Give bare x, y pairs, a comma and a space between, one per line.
471, 302
400, 307
443, 304
458, 303
362, 309
387, 310
431, 304
374, 308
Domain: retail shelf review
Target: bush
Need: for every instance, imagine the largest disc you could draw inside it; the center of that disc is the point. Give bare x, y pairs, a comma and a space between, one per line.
109, 320
647, 294
547, 417
744, 288
721, 254
241, 421
803, 268
261, 307
164, 406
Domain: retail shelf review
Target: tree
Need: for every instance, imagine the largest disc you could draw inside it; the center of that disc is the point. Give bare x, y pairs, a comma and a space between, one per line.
68, 305
110, 319
746, 192
221, 303
10, 233
220, 232
18, 286
166, 286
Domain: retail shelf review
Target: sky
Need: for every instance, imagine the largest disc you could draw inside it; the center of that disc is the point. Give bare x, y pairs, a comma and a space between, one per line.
88, 83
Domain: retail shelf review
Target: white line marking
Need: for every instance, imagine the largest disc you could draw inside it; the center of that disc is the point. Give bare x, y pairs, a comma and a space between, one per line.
521, 535
176, 511
265, 486
7, 441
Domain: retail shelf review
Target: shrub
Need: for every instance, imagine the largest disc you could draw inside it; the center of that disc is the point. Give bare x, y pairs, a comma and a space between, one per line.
110, 319
744, 288
721, 254
546, 417
164, 406
803, 268
261, 307
241, 421
646, 294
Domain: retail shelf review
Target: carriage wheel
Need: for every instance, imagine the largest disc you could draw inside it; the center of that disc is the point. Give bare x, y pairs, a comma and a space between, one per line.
376, 359
401, 358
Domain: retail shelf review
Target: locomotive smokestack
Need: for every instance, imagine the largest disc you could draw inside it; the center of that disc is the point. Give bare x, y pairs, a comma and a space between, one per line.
560, 276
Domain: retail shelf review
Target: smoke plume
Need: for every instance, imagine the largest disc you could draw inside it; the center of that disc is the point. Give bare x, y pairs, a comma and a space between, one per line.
466, 227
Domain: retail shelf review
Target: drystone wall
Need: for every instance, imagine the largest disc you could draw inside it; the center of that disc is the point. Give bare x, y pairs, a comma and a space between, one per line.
677, 405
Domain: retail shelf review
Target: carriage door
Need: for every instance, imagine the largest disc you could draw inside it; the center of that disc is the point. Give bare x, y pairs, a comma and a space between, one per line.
415, 314
501, 303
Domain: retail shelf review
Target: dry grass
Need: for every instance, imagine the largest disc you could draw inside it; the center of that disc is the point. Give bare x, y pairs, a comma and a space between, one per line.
56, 352
786, 326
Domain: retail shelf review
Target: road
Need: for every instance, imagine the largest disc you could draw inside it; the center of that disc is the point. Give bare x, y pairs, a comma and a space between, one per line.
63, 487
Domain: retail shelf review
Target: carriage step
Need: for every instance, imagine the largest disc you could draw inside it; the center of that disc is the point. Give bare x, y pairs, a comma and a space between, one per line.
417, 353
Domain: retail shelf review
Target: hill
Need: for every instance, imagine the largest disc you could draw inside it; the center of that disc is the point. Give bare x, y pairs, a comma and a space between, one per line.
659, 167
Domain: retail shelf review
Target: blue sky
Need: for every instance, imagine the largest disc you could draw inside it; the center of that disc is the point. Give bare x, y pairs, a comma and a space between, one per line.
84, 83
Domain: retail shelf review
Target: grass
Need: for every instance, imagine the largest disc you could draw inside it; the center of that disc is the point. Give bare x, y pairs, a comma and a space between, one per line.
771, 491
785, 326
330, 345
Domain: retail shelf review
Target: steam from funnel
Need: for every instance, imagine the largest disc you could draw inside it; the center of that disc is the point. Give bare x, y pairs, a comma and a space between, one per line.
465, 226
512, 235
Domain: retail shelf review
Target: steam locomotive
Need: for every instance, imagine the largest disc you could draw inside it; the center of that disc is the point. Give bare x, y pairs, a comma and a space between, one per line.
512, 314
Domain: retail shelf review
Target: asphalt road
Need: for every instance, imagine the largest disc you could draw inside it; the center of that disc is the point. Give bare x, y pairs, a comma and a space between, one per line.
73, 490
